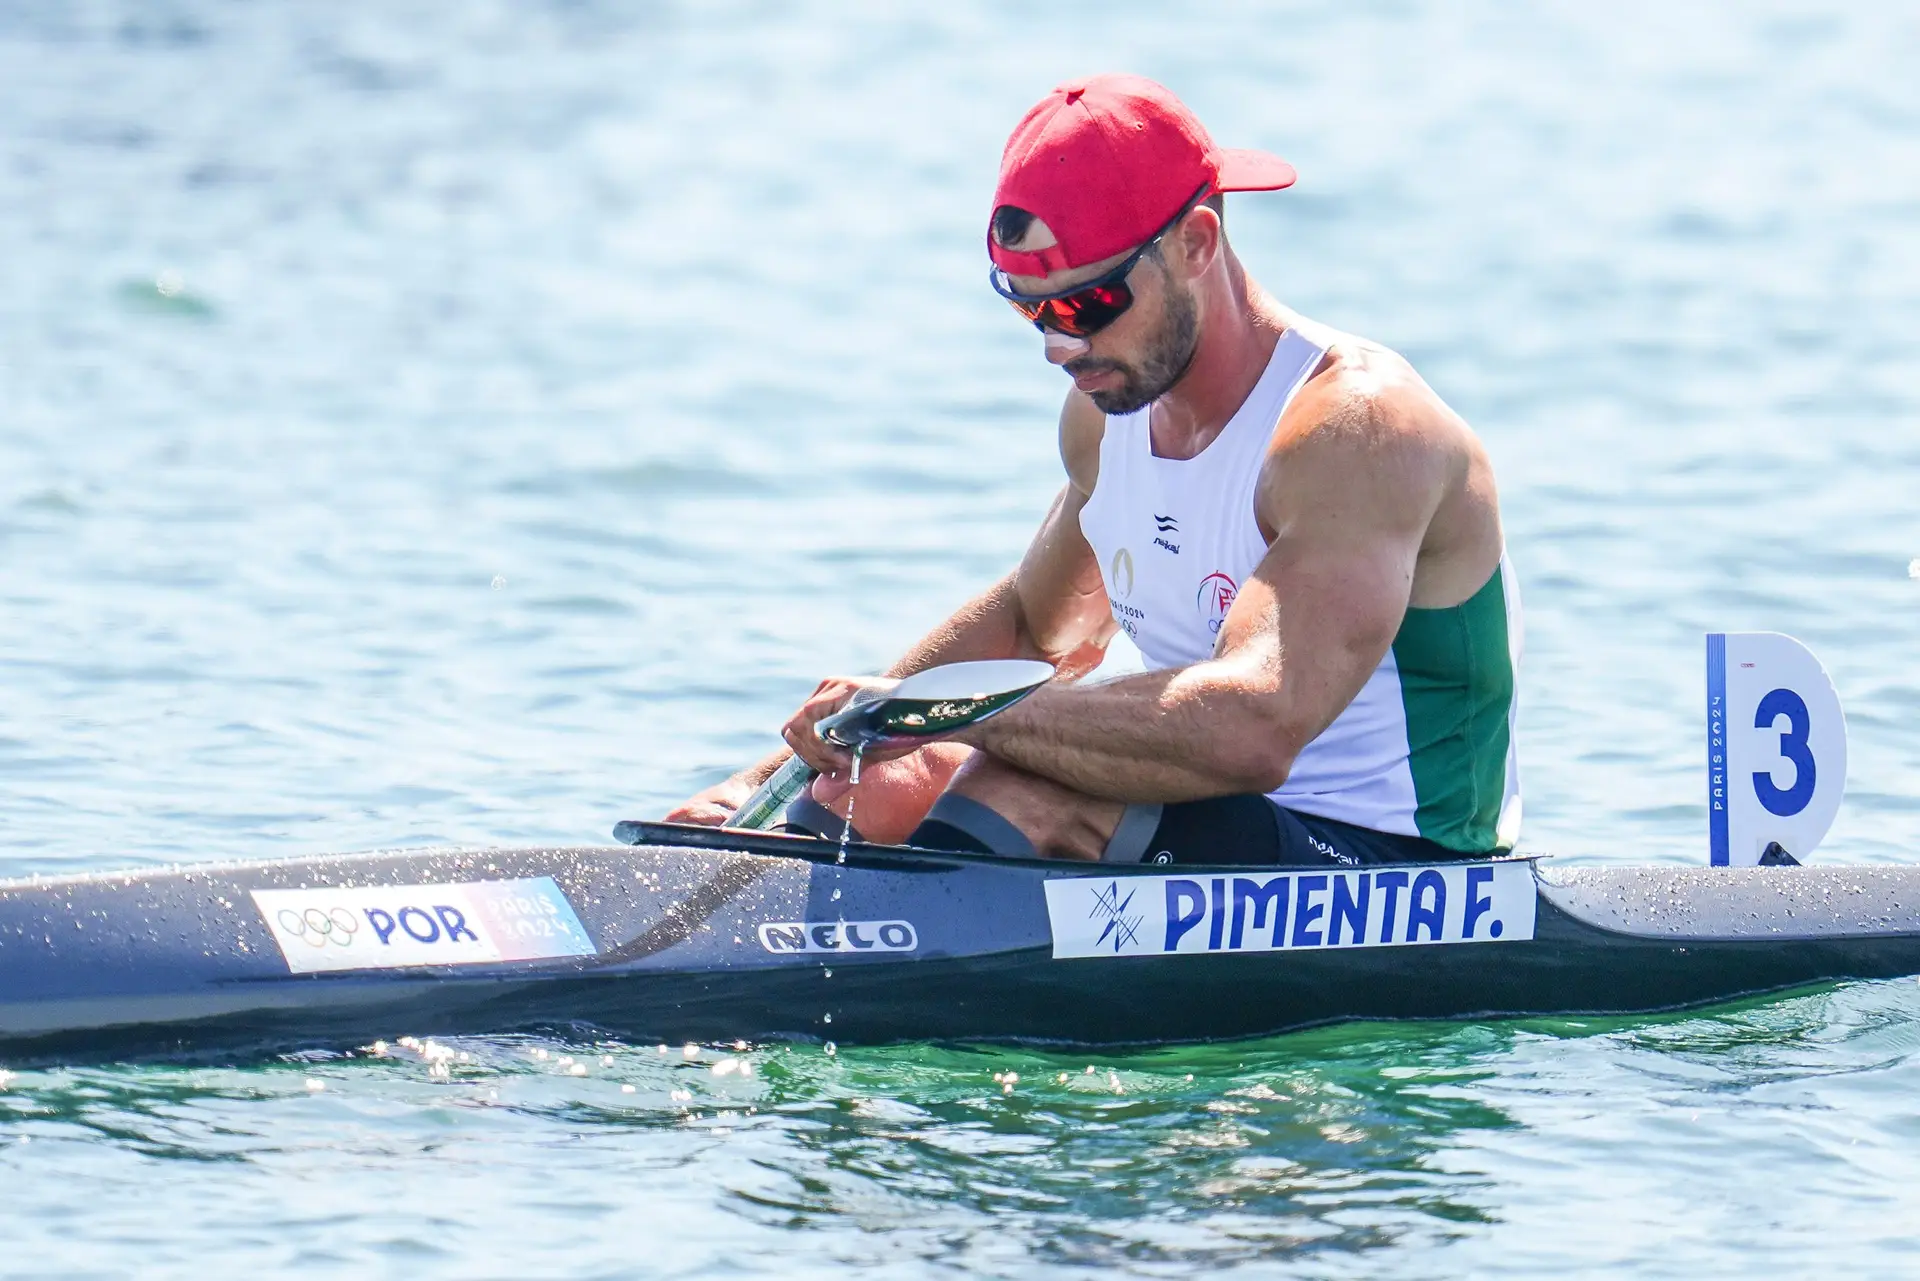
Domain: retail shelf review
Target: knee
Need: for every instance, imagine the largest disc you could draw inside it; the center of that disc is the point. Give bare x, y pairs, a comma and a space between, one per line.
1060, 822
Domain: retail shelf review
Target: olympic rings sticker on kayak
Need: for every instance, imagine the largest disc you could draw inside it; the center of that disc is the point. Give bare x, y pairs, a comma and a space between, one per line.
317, 928
1290, 909
385, 927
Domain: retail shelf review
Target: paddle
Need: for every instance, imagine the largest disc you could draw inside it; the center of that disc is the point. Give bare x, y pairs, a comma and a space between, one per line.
925, 705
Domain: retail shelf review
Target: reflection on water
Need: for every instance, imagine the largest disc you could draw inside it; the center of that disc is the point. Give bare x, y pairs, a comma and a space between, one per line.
1368, 1142
1359, 1147
1201, 1154
1198, 1154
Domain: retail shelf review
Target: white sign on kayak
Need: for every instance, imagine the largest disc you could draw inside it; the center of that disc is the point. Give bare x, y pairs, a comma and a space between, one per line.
1290, 910
1776, 747
385, 927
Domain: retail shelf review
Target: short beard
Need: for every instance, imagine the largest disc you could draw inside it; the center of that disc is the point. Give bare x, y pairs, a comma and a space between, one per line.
1163, 366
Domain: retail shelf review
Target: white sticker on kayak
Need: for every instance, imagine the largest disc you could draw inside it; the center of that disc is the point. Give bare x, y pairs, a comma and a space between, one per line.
838, 936
1290, 910
385, 927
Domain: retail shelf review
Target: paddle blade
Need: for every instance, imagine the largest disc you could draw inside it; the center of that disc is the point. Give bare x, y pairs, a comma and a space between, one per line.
939, 701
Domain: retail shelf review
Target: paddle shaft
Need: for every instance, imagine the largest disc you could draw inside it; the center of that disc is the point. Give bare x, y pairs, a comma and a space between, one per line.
770, 800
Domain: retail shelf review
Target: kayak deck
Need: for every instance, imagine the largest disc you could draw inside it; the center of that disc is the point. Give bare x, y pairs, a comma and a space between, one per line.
704, 934
1726, 903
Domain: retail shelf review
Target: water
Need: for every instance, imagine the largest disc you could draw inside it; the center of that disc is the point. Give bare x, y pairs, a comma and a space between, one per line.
482, 423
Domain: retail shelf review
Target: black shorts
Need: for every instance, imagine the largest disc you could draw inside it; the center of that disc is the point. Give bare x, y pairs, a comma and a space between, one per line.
1246, 830
1254, 830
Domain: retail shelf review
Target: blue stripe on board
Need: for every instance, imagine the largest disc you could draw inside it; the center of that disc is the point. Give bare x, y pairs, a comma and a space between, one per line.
1717, 749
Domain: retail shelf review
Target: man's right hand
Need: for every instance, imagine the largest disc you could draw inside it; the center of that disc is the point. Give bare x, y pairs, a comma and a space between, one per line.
714, 806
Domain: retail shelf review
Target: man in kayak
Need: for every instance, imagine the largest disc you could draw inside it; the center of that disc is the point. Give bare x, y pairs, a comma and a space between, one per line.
1300, 537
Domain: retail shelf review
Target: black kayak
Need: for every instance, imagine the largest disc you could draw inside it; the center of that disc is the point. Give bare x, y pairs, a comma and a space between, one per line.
700, 934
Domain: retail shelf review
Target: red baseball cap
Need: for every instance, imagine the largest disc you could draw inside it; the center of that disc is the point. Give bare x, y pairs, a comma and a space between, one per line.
1107, 161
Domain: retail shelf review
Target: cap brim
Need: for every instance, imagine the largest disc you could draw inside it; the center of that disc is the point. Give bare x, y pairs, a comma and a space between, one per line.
1244, 170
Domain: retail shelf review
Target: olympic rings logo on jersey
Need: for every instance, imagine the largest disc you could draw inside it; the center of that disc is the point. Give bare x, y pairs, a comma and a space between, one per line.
316, 928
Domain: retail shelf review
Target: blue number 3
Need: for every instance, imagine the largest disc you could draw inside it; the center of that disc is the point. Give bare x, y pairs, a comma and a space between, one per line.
1793, 746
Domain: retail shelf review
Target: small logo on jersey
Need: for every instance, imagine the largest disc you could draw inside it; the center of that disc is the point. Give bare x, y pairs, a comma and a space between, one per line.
1166, 524
1215, 599
1120, 573
1161, 542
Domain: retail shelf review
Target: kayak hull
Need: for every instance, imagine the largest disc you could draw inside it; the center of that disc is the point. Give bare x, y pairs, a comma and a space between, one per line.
707, 935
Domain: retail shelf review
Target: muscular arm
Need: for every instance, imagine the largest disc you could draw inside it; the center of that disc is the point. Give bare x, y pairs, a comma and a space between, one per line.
1348, 498
1053, 606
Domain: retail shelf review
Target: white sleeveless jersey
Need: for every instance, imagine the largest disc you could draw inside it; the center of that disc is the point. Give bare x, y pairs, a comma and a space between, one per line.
1426, 749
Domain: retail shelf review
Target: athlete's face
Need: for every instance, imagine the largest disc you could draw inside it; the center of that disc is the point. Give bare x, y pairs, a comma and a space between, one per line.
1139, 357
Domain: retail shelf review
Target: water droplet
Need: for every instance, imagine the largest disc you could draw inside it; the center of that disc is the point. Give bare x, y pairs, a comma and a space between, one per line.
827, 973
499, 581
626, 1089
169, 283
826, 1018
1913, 568
832, 1049
836, 896
578, 1069
690, 1050
316, 1086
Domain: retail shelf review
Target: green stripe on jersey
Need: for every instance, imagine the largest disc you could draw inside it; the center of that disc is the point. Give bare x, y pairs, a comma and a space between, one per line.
1456, 683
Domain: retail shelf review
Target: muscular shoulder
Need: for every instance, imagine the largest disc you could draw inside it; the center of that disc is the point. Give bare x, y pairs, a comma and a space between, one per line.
1368, 419
1366, 396
1082, 426
1368, 445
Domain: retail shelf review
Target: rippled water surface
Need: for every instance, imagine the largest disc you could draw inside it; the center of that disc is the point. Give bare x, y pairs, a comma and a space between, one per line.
480, 423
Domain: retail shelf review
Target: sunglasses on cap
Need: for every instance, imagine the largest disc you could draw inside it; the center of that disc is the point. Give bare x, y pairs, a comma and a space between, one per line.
1090, 306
